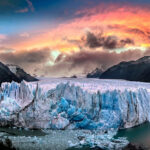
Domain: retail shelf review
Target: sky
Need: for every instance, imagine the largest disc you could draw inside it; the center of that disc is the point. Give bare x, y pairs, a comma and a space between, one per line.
61, 38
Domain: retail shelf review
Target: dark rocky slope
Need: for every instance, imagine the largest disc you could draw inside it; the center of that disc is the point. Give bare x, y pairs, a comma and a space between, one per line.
21, 74
8, 75
95, 73
138, 70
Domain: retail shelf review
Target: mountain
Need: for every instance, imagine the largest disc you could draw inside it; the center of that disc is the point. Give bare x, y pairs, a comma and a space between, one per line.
138, 70
95, 74
74, 76
8, 73
20, 73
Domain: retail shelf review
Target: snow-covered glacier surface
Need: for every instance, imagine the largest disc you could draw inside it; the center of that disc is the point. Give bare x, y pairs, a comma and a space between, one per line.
67, 103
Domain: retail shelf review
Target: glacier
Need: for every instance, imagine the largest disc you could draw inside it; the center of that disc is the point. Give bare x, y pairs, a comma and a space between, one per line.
67, 103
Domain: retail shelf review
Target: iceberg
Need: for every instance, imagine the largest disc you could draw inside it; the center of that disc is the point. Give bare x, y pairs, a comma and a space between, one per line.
66, 140
74, 104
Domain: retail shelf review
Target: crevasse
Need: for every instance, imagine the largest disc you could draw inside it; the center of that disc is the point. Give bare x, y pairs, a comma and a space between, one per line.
68, 106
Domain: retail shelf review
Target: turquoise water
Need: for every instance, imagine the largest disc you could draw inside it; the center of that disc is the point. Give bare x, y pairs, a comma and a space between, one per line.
18, 132
136, 134
84, 148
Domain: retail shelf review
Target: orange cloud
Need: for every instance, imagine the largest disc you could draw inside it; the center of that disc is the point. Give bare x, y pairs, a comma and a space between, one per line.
123, 21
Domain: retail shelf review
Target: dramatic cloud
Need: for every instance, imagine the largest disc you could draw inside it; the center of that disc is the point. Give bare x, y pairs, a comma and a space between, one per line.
125, 26
43, 62
127, 41
116, 19
80, 63
136, 31
109, 42
30, 60
59, 58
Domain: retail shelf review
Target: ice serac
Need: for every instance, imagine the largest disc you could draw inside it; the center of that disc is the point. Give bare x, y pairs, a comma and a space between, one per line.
69, 106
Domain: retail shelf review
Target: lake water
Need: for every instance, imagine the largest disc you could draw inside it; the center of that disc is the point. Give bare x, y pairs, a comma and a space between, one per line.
137, 135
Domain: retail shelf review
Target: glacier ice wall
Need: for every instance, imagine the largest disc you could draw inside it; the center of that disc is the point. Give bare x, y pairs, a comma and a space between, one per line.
68, 106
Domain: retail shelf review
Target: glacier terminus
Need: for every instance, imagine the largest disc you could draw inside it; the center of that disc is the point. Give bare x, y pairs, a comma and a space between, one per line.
74, 104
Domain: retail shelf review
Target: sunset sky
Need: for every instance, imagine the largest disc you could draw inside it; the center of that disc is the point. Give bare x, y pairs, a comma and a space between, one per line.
58, 38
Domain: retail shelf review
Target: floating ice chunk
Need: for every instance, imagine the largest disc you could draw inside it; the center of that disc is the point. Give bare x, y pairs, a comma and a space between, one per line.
59, 123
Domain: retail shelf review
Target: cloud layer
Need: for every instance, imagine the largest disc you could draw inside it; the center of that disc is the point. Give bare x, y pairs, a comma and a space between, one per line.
79, 63
96, 35
109, 42
84, 61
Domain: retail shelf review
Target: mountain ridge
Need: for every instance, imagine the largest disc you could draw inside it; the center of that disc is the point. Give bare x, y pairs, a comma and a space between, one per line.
95, 73
138, 70
8, 75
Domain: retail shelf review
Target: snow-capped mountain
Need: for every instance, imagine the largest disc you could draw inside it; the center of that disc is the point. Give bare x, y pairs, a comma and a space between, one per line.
6, 75
10, 73
75, 104
20, 73
138, 70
